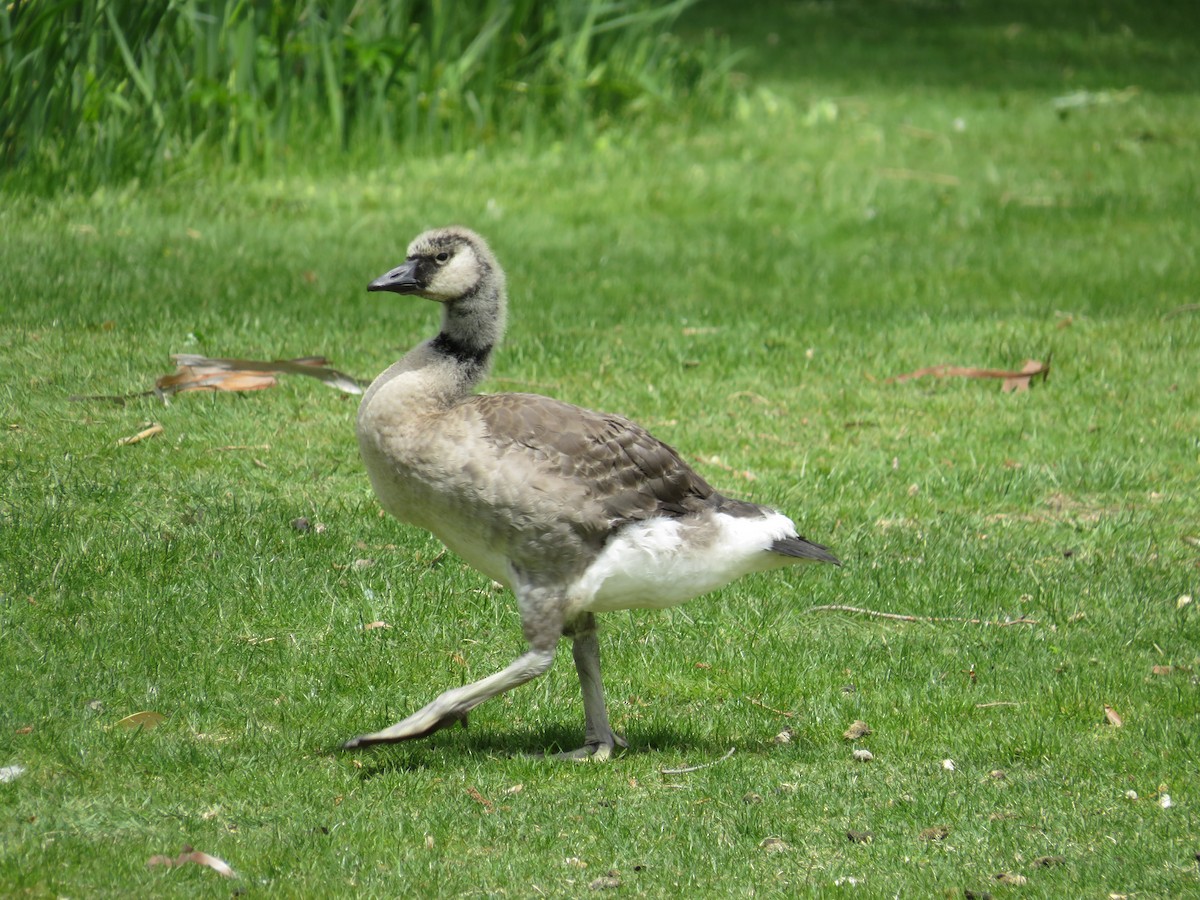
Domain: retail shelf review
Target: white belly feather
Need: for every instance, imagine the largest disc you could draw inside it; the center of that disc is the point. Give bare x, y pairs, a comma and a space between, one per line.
663, 562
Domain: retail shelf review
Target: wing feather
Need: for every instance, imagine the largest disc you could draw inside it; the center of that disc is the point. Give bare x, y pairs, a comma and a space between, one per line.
625, 472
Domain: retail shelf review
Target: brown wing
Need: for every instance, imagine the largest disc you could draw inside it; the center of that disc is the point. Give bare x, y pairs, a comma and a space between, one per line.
622, 468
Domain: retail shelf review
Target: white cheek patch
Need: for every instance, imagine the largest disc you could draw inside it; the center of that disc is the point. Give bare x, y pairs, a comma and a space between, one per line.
456, 277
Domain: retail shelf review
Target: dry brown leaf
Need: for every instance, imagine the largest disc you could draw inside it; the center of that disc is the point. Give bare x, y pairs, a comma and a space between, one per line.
856, 730
1010, 381
608, 882
371, 626
1048, 862
1162, 670
211, 378
193, 856
203, 373
145, 720
141, 435
1011, 878
934, 833
1020, 381
1112, 717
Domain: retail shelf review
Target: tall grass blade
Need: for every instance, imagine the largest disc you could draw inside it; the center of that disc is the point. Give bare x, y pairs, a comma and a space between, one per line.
98, 91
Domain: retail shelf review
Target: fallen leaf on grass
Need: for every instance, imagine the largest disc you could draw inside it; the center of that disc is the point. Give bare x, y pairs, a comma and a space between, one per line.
608, 882
1112, 717
934, 833
1162, 670
193, 856
146, 720
860, 837
1048, 862
856, 730
141, 435
371, 626
861, 755
1011, 878
203, 373
774, 845
1014, 382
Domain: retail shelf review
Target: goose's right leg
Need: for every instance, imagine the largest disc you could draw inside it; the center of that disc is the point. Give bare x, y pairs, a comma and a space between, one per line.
600, 741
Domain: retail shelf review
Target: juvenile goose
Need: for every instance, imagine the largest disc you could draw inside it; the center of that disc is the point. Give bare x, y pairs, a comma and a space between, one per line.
578, 512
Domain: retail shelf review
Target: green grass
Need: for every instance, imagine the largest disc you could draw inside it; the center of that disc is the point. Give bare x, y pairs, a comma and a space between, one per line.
745, 289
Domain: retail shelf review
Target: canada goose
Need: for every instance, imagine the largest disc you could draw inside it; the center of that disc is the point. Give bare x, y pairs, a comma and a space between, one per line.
578, 512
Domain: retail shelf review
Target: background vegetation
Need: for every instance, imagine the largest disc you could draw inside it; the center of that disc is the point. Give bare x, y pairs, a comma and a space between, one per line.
104, 90
891, 186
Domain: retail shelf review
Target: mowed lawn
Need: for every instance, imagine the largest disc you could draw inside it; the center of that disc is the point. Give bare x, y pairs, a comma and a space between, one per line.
899, 187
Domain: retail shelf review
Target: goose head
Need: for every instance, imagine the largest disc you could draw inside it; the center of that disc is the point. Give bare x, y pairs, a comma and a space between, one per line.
446, 265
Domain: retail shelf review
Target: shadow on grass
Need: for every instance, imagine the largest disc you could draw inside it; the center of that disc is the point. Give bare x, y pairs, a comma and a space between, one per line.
1013, 46
442, 749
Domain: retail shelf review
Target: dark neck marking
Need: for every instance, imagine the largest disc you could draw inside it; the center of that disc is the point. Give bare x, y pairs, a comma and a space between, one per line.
467, 355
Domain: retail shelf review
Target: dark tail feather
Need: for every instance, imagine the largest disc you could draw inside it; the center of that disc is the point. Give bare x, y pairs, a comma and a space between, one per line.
802, 548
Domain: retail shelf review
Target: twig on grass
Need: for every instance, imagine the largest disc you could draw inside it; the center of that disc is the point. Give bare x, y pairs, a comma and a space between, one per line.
1011, 382
697, 768
899, 617
149, 432
917, 175
778, 712
1180, 310
483, 801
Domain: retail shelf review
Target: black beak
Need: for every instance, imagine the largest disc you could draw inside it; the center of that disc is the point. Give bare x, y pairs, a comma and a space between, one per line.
401, 280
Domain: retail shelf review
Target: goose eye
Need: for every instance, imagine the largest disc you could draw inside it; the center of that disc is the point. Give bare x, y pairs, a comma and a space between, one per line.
442, 258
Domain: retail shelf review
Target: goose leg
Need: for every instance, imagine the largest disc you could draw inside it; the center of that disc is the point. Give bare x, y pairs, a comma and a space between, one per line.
453, 705
600, 740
